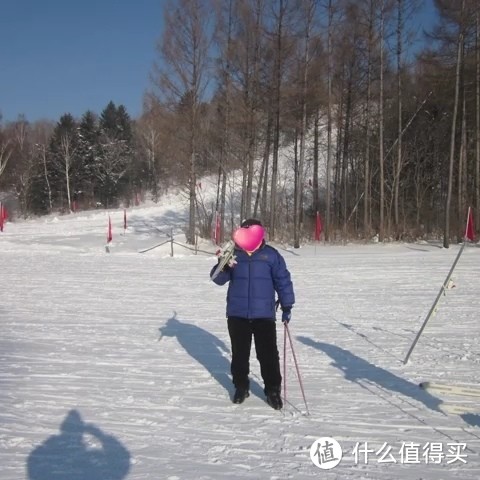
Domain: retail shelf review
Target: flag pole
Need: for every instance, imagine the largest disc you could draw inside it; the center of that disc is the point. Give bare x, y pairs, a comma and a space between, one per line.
109, 235
468, 236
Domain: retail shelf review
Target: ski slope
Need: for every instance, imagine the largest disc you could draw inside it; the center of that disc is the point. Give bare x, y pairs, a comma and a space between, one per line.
116, 365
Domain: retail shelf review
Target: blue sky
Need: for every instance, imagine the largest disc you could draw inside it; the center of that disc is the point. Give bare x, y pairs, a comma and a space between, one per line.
59, 56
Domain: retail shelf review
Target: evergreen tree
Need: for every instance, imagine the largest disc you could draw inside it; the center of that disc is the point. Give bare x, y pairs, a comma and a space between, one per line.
124, 125
115, 154
37, 194
88, 153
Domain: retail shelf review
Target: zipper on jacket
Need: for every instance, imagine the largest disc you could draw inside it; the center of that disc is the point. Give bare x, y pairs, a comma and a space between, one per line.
249, 284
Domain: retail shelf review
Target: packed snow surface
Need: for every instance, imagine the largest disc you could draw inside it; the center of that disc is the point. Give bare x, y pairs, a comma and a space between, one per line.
115, 365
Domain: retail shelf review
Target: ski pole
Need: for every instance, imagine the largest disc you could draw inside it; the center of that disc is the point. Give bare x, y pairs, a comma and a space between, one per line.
296, 366
285, 363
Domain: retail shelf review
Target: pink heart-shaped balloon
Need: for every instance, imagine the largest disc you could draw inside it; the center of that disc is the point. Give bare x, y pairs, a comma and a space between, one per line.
249, 238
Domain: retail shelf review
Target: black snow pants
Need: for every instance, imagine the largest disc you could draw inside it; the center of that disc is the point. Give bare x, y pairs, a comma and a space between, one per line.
264, 333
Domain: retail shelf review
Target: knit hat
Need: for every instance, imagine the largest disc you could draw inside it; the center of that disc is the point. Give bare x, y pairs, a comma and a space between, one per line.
249, 222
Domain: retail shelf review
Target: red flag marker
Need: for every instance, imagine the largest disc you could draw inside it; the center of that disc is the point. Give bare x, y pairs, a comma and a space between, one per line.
216, 234
318, 227
109, 232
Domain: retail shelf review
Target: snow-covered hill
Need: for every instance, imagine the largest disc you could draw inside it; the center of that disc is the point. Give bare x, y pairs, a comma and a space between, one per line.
116, 365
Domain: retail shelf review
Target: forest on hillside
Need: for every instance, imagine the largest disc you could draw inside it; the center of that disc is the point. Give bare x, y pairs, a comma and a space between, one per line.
376, 119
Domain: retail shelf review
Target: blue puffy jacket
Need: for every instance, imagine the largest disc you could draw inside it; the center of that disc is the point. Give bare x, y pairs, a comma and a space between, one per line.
253, 283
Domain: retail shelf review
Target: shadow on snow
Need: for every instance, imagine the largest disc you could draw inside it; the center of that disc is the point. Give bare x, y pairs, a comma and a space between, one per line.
81, 451
472, 419
356, 369
207, 349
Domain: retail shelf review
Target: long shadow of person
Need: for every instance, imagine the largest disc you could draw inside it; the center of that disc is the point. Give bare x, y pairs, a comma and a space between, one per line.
356, 369
471, 418
81, 451
207, 349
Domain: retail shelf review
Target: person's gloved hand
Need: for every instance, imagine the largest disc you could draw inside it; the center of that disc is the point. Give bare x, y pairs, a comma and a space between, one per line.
231, 263
286, 314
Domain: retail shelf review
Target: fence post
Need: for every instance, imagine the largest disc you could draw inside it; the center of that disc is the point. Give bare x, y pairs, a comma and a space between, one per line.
171, 242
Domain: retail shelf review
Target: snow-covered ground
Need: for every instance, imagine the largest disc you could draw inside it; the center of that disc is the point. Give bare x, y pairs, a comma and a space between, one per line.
116, 365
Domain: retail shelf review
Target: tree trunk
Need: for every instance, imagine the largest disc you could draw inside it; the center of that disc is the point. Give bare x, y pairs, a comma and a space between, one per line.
266, 161
328, 180
381, 229
309, 13
446, 233
367, 180
67, 158
47, 181
276, 136
396, 178
193, 198
316, 147
462, 172
477, 115
345, 153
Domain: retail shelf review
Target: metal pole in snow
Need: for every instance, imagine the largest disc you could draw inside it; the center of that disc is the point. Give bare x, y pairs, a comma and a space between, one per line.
432, 310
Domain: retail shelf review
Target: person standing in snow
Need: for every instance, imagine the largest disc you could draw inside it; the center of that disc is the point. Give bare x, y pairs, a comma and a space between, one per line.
254, 278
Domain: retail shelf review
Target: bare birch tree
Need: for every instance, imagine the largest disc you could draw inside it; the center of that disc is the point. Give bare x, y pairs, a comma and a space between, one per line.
368, 105
5, 154
308, 8
328, 201
381, 159
398, 167
181, 78
460, 39
277, 88
225, 19
5, 150
477, 114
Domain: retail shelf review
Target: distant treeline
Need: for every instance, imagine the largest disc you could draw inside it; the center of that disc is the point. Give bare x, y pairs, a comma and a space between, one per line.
381, 118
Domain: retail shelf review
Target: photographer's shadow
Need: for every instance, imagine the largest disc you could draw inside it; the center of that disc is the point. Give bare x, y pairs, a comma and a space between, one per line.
81, 451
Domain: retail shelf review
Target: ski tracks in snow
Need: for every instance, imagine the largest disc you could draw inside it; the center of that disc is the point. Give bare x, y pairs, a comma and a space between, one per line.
137, 346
